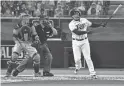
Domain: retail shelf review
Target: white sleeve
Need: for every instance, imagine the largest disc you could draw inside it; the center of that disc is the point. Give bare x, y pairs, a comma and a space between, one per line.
72, 26
33, 30
15, 31
54, 31
88, 23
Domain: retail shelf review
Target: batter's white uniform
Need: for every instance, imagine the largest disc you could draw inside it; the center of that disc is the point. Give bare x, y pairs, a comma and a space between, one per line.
80, 44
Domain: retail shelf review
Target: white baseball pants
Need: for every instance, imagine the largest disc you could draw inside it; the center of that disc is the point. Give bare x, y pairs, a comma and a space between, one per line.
82, 47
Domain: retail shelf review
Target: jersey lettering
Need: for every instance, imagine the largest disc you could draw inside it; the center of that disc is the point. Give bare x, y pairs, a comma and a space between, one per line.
80, 26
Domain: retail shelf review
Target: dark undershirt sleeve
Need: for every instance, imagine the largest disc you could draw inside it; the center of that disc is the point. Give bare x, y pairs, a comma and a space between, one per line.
95, 25
79, 32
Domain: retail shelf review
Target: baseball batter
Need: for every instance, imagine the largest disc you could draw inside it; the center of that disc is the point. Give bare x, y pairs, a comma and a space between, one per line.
80, 43
23, 36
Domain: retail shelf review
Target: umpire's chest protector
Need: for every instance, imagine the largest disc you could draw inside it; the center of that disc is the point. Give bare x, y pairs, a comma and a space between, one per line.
41, 33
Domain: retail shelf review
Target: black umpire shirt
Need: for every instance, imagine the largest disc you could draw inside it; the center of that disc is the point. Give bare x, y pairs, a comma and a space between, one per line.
43, 33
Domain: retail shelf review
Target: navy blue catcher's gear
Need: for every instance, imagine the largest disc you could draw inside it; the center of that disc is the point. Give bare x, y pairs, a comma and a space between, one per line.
25, 30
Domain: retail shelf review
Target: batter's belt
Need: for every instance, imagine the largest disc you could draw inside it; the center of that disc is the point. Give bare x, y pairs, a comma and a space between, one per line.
79, 39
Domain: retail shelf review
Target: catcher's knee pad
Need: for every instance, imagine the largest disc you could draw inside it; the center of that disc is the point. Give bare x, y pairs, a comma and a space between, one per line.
11, 66
22, 65
36, 58
36, 62
15, 56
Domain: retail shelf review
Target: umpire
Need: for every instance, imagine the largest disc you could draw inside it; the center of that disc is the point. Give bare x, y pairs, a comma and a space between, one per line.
44, 30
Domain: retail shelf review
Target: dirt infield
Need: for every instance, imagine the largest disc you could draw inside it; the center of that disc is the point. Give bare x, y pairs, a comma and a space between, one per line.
66, 77
68, 83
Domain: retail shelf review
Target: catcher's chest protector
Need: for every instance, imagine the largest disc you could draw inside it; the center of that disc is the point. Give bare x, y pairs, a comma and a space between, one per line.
26, 33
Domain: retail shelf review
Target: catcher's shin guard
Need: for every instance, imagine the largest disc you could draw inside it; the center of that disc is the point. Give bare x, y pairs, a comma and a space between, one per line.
11, 66
36, 62
36, 67
23, 64
15, 73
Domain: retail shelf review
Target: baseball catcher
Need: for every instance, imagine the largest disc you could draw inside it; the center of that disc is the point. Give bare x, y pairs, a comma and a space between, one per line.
23, 35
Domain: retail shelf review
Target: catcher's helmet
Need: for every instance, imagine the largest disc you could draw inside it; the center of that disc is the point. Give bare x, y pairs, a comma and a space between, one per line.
73, 12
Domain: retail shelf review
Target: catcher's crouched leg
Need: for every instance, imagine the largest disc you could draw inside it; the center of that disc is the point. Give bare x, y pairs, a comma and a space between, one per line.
21, 67
12, 63
36, 64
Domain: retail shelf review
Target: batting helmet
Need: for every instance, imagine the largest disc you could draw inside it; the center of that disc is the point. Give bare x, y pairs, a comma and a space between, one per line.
73, 12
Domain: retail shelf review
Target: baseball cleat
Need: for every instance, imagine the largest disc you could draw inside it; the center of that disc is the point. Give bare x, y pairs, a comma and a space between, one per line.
37, 74
8, 74
47, 74
15, 73
76, 71
94, 76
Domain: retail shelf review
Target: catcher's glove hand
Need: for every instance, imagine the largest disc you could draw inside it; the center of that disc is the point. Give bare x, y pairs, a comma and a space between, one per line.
36, 43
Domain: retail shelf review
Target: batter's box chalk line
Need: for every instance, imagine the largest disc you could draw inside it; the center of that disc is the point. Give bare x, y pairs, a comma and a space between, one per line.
22, 78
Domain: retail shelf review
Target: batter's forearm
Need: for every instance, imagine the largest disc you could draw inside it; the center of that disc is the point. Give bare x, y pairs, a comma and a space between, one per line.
80, 32
35, 37
94, 25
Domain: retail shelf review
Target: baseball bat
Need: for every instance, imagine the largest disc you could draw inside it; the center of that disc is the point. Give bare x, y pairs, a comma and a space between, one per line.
113, 14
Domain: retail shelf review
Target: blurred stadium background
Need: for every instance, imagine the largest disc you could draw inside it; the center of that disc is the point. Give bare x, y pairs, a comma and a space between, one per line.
106, 43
